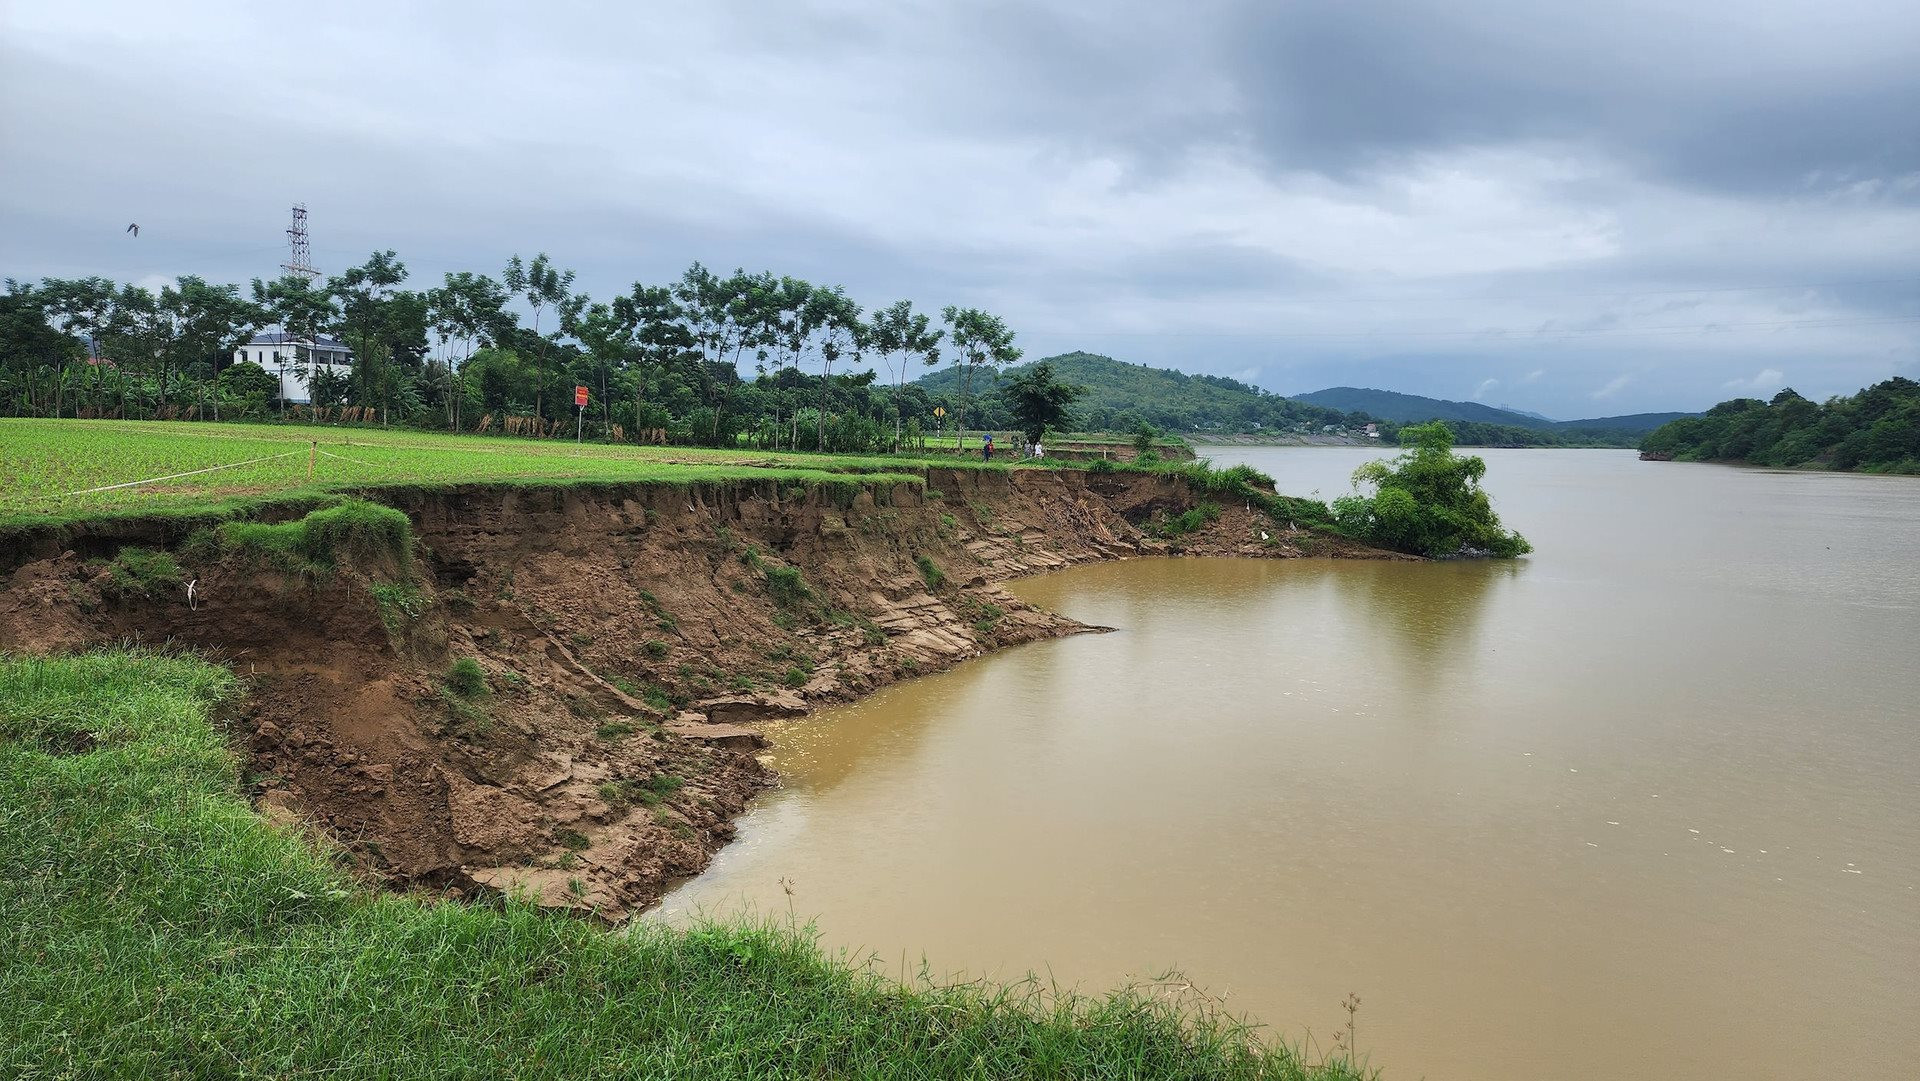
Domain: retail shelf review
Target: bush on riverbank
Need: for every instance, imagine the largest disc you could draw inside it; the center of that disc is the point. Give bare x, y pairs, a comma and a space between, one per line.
1428, 501
156, 926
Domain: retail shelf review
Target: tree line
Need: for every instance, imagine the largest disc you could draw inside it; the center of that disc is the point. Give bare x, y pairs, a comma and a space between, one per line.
663, 361
1876, 430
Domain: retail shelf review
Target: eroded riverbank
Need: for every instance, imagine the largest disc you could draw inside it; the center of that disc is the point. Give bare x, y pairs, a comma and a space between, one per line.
626, 636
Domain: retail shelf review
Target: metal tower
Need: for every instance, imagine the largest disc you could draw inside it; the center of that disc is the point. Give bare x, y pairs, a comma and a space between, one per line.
299, 259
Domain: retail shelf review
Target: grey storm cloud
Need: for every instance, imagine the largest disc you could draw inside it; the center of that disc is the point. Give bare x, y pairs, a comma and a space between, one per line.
1603, 207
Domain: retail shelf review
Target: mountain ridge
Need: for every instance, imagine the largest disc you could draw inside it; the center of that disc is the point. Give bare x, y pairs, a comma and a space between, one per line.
1411, 408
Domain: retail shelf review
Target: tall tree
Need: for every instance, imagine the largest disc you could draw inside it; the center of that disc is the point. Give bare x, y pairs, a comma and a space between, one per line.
1040, 401
606, 330
81, 309
199, 323
468, 311
542, 286
979, 340
379, 322
660, 332
841, 334
900, 334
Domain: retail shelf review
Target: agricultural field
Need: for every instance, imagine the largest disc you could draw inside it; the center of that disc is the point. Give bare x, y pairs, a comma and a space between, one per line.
62, 470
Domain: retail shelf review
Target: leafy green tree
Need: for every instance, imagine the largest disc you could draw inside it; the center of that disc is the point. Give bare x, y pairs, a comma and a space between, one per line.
1428, 501
81, 310
385, 326
900, 335
1040, 401
198, 323
979, 340
841, 333
542, 286
467, 311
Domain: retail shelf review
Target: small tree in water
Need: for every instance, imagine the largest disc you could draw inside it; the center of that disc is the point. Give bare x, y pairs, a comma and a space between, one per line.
1428, 501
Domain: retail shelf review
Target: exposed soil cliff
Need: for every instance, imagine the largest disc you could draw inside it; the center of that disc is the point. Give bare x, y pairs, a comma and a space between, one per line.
629, 637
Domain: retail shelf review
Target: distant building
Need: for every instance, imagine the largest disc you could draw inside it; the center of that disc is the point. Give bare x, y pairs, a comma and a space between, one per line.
284, 354
1373, 431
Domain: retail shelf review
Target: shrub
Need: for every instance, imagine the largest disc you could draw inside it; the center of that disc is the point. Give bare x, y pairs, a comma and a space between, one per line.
466, 678
1428, 501
787, 588
656, 649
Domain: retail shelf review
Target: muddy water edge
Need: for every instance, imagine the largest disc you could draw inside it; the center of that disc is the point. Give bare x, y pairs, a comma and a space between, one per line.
1642, 804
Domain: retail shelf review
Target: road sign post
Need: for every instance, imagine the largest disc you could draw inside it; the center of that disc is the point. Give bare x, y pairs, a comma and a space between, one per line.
580, 413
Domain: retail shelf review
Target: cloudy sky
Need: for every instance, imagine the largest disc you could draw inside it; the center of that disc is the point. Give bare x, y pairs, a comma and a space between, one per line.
1580, 209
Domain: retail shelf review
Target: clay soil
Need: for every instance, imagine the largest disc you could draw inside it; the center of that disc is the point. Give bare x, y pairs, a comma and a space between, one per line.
630, 638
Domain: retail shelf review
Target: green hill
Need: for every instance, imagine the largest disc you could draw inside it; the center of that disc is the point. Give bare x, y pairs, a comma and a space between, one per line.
1121, 395
1632, 422
1412, 408
1876, 430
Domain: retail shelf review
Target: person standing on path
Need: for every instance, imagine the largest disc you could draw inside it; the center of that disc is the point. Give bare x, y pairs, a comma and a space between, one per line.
986, 448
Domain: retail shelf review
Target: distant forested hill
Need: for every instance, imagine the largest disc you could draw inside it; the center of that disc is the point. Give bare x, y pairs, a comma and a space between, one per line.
1121, 395
1412, 408
1877, 430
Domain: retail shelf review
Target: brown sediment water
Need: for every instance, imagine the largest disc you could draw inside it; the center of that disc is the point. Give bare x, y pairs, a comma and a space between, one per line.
1643, 804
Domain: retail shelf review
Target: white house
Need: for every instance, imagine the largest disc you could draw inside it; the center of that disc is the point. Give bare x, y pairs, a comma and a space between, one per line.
283, 354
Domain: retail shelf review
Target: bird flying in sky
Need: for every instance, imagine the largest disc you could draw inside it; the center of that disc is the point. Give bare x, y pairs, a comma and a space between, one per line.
134, 228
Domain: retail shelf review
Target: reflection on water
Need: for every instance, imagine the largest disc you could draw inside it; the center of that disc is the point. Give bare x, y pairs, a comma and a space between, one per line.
1642, 804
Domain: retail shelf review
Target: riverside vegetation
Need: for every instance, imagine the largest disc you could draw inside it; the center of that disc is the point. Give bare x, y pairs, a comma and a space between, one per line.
1874, 431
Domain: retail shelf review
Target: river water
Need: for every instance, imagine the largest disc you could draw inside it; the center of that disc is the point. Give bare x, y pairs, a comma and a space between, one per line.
1646, 803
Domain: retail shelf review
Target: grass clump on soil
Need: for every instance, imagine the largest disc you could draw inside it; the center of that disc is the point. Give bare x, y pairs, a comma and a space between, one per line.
466, 678
931, 573
1192, 520
785, 585
142, 572
400, 603
157, 927
356, 531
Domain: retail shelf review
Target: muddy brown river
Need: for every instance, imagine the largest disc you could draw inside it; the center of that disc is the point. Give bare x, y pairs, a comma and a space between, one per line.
1644, 804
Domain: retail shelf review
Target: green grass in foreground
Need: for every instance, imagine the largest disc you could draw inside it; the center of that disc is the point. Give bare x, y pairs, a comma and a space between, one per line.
151, 925
43, 462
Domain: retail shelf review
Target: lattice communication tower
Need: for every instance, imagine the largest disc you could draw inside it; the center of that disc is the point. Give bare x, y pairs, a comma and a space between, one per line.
299, 257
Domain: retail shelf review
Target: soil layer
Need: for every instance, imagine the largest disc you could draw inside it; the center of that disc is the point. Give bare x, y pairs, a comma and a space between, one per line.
629, 637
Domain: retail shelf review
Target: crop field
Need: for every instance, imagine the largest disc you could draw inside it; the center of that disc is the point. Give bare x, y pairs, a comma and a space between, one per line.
62, 470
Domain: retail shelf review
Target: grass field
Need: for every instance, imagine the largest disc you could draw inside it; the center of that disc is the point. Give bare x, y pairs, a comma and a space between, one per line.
153, 926
48, 467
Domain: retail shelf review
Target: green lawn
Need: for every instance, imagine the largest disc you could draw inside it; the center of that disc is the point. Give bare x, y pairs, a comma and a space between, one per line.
47, 467
152, 926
